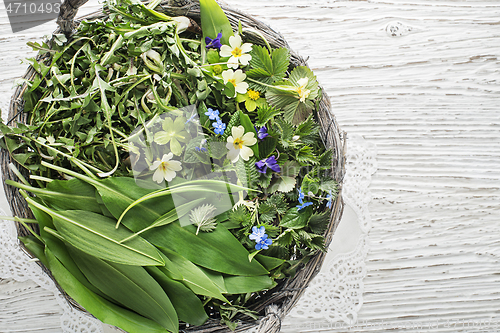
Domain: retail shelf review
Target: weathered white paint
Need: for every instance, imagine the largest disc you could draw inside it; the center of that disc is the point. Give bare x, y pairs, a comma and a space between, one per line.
421, 80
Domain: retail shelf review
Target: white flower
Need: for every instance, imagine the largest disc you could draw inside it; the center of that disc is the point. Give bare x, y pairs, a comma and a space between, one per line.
236, 51
165, 169
238, 143
303, 93
236, 78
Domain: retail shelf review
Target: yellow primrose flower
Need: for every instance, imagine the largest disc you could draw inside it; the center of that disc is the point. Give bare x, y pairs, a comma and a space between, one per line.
252, 99
238, 144
236, 52
301, 90
165, 168
236, 78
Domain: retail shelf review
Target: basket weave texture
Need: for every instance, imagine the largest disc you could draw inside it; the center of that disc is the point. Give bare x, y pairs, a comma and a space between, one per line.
273, 304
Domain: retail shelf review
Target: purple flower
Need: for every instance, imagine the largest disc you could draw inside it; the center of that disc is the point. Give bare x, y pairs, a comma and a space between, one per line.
219, 126
263, 243
304, 205
257, 233
262, 132
212, 114
213, 43
269, 162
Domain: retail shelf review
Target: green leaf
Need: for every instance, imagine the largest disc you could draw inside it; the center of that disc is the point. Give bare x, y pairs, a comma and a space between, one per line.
248, 126
266, 113
264, 68
219, 250
294, 219
285, 180
96, 235
130, 286
100, 308
247, 284
269, 262
267, 146
216, 278
193, 277
213, 21
187, 305
305, 156
35, 248
318, 222
247, 172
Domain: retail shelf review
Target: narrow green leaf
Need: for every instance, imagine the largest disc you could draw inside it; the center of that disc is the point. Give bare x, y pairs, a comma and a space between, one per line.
187, 305
247, 284
193, 277
248, 126
216, 278
102, 309
95, 234
213, 21
35, 248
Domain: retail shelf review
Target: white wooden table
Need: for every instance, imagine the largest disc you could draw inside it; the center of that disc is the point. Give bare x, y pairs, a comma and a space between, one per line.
421, 80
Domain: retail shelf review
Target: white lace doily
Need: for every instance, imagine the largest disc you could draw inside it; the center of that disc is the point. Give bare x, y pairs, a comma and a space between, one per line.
336, 294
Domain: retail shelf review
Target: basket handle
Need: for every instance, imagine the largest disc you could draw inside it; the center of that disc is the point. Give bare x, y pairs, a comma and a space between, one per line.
67, 13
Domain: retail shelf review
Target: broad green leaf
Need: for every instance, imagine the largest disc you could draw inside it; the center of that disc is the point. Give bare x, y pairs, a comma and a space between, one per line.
100, 308
219, 250
301, 72
281, 61
295, 219
193, 277
130, 286
247, 284
319, 222
213, 21
35, 248
187, 305
263, 67
269, 262
216, 278
283, 184
96, 235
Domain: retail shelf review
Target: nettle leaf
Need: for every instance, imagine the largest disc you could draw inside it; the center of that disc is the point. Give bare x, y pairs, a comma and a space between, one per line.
296, 219
305, 156
319, 222
265, 114
285, 131
267, 146
325, 159
285, 180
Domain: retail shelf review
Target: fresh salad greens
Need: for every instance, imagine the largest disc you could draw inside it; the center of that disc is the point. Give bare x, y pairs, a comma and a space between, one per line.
176, 170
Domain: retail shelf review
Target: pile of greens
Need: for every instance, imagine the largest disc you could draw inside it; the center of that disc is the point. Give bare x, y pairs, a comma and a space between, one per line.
175, 172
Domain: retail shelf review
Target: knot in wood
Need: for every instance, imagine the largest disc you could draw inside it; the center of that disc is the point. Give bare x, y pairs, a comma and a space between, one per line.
397, 29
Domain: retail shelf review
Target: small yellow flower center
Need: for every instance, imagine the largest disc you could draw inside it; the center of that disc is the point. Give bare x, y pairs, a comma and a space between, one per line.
238, 143
233, 81
253, 95
237, 52
217, 69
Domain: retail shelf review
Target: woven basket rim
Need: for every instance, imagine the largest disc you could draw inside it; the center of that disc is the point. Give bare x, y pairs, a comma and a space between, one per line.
292, 289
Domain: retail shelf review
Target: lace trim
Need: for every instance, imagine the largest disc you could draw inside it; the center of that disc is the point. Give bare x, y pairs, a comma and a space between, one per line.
336, 293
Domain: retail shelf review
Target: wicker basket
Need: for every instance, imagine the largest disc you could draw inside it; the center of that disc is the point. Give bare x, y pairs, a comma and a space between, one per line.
276, 303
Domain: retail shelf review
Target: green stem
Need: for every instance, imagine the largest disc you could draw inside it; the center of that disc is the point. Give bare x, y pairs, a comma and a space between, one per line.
13, 168
18, 219
29, 229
